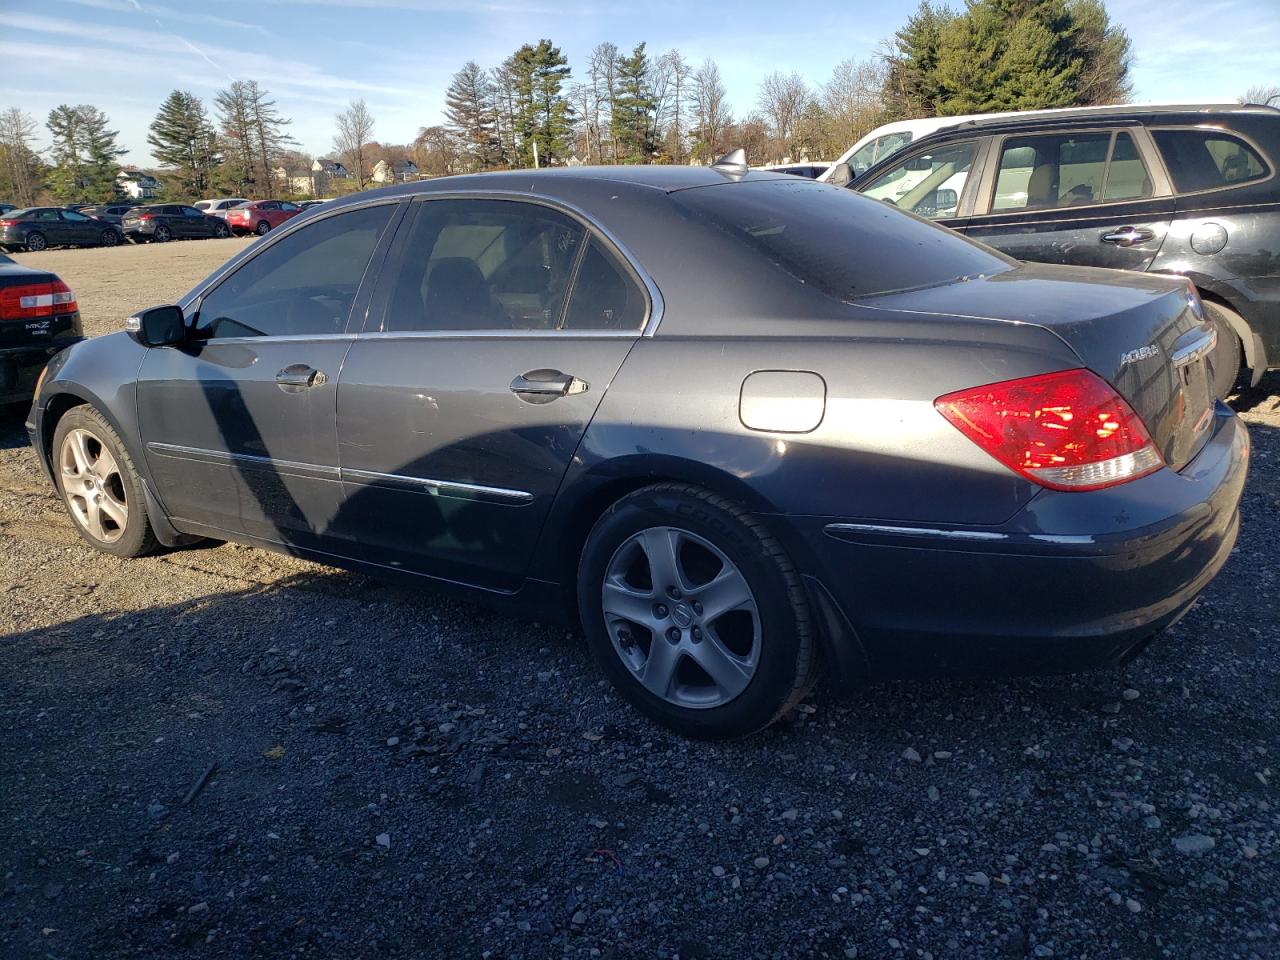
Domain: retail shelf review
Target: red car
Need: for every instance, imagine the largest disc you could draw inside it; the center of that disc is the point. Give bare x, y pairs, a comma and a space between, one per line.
259, 216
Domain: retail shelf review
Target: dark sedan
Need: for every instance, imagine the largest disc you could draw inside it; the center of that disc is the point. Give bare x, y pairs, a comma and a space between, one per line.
739, 426
37, 228
163, 222
38, 317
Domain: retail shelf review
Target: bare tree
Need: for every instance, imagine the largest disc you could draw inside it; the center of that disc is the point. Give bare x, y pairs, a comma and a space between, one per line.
351, 142
1267, 96
851, 105
709, 102
678, 69
782, 100
21, 166
603, 73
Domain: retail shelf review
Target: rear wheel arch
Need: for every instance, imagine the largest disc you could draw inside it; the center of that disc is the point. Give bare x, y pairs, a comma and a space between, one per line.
1252, 359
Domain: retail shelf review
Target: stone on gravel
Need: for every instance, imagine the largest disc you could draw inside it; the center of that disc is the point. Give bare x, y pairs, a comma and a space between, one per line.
1193, 845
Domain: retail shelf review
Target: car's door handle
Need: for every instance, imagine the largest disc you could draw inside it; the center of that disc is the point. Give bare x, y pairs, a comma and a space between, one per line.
299, 376
543, 386
1129, 236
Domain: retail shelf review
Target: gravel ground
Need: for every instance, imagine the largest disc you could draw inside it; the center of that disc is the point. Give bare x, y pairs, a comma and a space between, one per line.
221, 752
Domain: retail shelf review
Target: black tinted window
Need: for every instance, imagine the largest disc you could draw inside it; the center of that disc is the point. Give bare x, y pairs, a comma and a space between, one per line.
604, 296
484, 265
1205, 159
840, 242
302, 285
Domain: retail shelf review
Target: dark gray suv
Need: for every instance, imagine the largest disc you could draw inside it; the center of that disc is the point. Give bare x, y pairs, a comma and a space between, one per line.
1189, 190
739, 426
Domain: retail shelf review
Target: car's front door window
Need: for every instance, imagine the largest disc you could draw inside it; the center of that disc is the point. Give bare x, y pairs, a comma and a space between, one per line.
929, 183
302, 285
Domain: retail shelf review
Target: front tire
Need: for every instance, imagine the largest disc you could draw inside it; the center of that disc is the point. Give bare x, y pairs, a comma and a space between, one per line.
695, 613
99, 485
110, 238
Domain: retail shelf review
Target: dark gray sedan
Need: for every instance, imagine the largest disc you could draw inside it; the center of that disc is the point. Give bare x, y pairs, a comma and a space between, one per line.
743, 428
38, 228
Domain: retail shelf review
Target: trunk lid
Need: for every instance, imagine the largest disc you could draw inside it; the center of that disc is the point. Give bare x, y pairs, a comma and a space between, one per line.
1144, 334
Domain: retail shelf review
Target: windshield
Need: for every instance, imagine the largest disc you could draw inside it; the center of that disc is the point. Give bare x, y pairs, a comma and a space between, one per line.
842, 243
877, 150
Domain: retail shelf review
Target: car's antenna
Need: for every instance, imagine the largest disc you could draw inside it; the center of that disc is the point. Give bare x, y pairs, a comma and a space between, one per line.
732, 164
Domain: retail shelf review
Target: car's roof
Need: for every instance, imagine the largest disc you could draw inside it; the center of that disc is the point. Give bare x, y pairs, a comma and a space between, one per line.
565, 182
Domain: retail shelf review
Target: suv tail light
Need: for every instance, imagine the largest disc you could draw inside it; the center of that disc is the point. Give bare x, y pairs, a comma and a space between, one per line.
30, 301
1066, 431
146, 216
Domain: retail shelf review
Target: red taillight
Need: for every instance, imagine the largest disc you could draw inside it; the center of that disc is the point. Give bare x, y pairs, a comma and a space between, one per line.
30, 301
1067, 431
146, 216
9, 223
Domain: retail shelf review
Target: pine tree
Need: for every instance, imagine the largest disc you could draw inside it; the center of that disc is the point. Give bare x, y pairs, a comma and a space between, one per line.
631, 122
183, 140
542, 113
470, 110
85, 154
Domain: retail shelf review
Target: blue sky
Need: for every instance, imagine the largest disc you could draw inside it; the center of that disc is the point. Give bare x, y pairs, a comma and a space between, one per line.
316, 55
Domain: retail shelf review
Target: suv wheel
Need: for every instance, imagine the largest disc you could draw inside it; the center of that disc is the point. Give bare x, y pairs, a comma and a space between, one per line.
99, 485
695, 613
162, 234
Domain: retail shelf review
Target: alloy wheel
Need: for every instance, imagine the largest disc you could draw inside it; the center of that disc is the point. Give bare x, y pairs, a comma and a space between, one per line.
263, 227
110, 238
36, 242
162, 233
682, 617
94, 486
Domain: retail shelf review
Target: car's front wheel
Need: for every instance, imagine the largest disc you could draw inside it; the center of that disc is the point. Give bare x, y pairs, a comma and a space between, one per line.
110, 238
695, 613
99, 485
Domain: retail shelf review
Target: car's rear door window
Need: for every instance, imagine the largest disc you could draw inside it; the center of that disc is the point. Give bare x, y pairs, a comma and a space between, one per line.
836, 240
484, 265
301, 285
605, 296
1208, 159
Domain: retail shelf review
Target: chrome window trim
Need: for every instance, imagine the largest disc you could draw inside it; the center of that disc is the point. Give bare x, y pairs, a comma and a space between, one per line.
436, 487
656, 304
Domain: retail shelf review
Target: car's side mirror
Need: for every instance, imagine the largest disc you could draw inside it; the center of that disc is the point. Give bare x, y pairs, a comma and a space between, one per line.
158, 327
842, 174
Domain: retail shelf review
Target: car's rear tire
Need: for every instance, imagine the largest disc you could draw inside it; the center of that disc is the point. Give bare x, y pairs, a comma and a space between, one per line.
1231, 376
723, 669
110, 238
35, 242
162, 234
262, 227
221, 231
99, 485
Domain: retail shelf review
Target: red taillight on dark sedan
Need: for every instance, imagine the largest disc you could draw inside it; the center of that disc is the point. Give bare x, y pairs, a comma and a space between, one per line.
1068, 430
9, 223
32, 301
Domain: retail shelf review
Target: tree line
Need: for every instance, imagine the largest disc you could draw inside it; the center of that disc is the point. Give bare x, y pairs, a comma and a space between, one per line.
622, 106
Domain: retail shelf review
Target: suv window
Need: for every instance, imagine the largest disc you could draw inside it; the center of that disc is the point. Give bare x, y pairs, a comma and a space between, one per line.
301, 285
604, 296
838, 241
1068, 170
928, 184
1205, 159
484, 265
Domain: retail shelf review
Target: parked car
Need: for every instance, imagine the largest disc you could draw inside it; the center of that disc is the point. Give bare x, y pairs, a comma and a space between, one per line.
76, 206
6, 207
304, 204
259, 216
219, 206
651, 400
162, 222
109, 212
1190, 190
38, 317
810, 170
37, 228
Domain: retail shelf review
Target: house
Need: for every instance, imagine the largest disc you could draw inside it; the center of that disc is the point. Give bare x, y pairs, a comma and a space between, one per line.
136, 184
297, 181
401, 171
323, 172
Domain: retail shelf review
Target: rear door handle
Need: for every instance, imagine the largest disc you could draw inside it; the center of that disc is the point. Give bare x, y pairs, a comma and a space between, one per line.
1129, 236
543, 386
298, 376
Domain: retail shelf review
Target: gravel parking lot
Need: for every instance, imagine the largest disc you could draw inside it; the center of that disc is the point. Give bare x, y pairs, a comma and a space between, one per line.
221, 752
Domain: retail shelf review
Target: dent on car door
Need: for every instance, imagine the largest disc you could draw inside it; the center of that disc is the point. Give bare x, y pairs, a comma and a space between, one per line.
1089, 198
238, 422
459, 411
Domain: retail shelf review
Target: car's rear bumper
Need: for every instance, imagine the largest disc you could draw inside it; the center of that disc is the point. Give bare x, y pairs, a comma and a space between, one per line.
1073, 580
20, 368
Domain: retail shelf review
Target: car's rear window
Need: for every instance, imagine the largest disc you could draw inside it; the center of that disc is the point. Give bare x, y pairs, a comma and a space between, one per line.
1208, 159
844, 244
